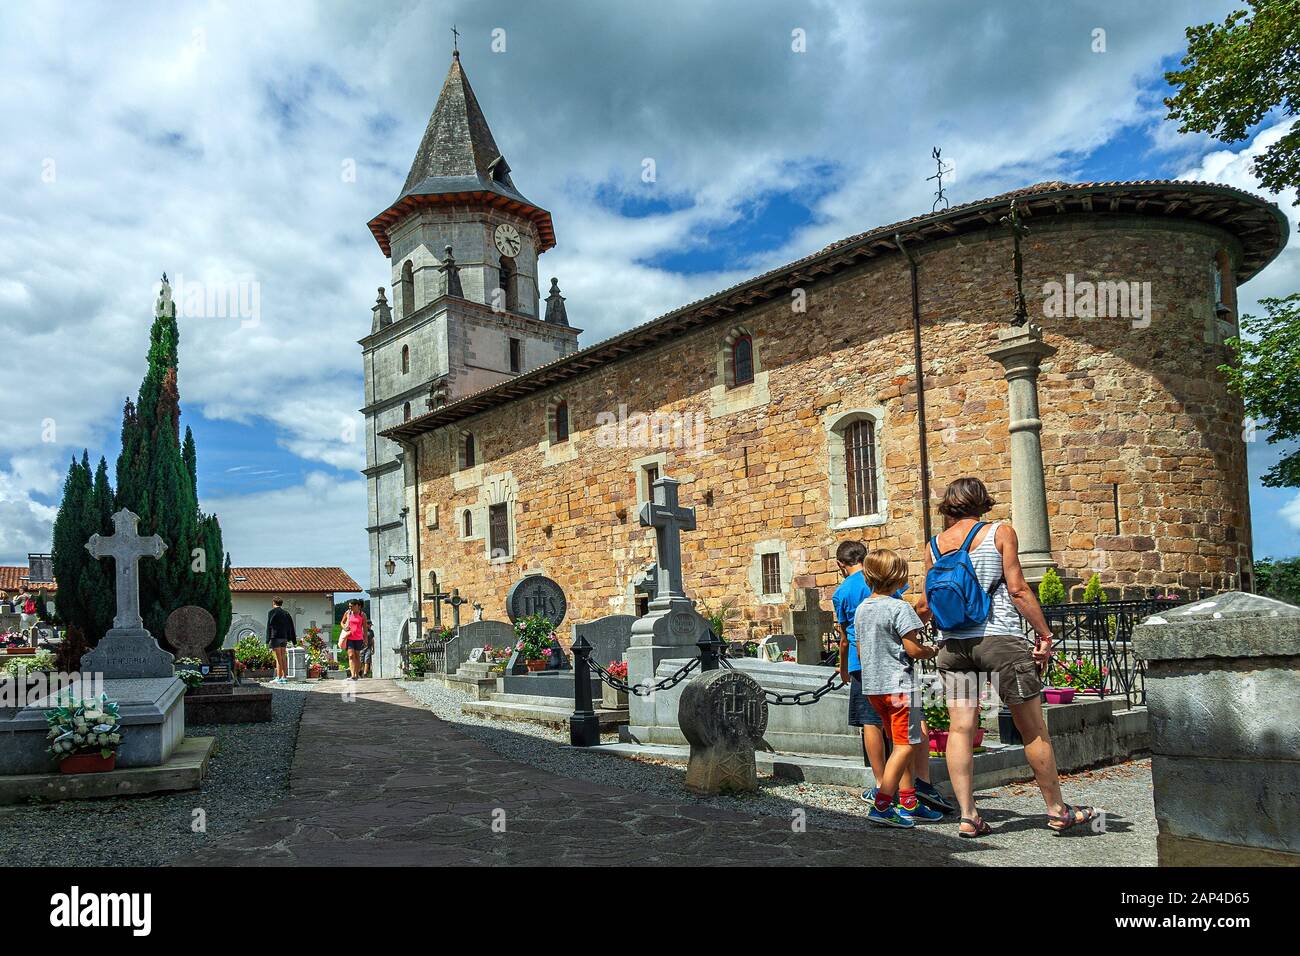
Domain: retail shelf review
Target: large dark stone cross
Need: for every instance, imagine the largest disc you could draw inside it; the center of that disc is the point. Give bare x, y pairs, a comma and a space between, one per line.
126, 548
669, 519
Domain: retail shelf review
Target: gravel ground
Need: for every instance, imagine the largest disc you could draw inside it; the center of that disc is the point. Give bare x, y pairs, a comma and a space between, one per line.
247, 772
1015, 812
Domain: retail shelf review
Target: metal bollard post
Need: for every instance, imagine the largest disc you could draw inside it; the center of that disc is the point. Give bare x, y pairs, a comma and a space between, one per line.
709, 647
584, 725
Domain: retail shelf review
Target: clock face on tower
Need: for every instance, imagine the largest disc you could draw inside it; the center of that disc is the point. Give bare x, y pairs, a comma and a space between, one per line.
507, 240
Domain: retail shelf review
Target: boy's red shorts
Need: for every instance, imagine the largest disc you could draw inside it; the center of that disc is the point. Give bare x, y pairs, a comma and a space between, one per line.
902, 721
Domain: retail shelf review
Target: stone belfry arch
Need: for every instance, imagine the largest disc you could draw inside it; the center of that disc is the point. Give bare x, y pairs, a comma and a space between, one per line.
451, 329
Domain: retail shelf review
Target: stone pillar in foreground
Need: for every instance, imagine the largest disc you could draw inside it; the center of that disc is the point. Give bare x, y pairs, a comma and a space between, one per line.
1222, 680
1020, 351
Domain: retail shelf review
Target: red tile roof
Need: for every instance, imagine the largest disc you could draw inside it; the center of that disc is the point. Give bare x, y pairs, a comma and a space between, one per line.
267, 580
13, 578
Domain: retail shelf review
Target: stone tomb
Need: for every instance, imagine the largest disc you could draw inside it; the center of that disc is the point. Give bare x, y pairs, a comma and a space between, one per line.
127, 665
1222, 679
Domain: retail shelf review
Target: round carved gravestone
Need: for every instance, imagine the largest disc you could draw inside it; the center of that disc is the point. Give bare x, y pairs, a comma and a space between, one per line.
190, 630
723, 715
536, 594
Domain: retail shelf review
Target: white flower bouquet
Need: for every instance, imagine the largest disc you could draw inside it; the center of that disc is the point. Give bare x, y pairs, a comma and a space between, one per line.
83, 726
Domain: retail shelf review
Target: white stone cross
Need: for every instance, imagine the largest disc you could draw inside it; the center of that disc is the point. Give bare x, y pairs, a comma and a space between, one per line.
126, 548
669, 520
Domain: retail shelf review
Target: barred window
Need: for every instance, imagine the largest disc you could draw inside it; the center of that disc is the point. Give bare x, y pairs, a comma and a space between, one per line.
742, 361
562, 422
498, 530
860, 467
772, 573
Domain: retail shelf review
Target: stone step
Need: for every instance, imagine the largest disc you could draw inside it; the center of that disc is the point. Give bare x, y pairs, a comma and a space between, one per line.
480, 688
475, 670
995, 766
548, 715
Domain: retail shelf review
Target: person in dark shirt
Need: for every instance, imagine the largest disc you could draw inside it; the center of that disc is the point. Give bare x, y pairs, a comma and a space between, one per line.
279, 632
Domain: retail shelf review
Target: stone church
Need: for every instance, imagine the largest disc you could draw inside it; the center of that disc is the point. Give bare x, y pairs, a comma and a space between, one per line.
787, 406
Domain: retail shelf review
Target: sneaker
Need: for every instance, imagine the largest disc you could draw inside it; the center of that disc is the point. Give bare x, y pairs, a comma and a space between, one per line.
869, 796
920, 813
891, 817
932, 798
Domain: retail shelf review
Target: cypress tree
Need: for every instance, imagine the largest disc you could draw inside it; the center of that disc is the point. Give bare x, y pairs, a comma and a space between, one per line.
69, 546
157, 478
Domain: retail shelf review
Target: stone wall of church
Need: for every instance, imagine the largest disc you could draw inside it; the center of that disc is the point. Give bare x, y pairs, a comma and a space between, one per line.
1137, 413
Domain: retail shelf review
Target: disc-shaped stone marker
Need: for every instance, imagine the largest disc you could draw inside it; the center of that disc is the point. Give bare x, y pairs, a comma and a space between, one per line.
190, 630
723, 715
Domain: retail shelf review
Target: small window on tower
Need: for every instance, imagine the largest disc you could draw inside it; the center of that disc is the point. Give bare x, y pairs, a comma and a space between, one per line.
406, 412
406, 359
772, 573
506, 280
516, 356
408, 288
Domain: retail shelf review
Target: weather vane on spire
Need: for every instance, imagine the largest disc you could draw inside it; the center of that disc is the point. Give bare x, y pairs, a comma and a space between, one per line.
939, 197
455, 37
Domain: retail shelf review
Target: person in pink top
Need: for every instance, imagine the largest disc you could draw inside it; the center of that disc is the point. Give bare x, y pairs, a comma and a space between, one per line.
352, 637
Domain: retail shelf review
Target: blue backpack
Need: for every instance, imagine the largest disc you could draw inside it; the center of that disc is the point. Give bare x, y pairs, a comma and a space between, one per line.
952, 590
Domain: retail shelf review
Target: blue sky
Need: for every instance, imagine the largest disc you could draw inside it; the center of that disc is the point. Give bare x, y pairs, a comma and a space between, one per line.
212, 141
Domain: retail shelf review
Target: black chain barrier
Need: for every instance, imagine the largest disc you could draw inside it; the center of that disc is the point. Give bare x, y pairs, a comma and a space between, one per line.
645, 690
801, 699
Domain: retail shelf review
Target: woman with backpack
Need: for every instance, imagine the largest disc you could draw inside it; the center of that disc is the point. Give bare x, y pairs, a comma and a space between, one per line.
974, 586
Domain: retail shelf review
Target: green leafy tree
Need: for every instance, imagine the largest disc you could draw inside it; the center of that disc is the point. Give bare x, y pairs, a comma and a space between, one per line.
157, 478
1050, 589
1265, 372
1093, 591
1278, 579
1234, 74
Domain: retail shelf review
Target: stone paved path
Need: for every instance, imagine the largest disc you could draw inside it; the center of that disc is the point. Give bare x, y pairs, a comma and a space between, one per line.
380, 780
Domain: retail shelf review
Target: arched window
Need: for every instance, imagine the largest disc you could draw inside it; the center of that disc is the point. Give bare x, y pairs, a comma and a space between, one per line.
467, 524
506, 281
408, 288
406, 359
406, 412
561, 422
860, 467
742, 361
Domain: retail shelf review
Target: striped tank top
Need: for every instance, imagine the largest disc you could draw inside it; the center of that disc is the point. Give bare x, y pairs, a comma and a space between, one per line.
1003, 617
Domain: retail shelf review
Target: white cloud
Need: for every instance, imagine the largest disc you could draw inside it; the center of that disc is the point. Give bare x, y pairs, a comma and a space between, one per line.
1290, 513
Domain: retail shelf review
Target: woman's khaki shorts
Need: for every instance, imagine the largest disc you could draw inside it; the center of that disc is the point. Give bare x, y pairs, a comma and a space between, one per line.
1006, 660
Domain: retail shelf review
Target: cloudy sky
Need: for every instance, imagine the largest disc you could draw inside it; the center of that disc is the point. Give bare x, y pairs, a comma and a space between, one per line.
249, 143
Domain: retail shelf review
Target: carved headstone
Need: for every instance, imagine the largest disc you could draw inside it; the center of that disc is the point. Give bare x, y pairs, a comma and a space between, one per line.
536, 594
240, 625
609, 637
723, 715
190, 631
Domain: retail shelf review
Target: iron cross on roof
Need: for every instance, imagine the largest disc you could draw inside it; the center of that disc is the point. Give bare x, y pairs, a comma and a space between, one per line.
939, 196
669, 519
126, 547
1018, 230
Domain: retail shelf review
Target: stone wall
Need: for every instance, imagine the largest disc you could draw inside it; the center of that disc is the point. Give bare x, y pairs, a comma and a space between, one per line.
1141, 408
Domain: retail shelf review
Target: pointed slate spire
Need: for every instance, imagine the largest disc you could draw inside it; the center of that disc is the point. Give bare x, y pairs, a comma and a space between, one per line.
457, 141
555, 312
451, 276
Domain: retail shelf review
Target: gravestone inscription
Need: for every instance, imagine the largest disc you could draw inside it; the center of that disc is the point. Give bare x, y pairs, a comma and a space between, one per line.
723, 715
536, 594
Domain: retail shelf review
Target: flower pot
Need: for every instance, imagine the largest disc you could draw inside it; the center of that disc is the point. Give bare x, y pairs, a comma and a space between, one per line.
87, 763
612, 699
1058, 695
534, 666
313, 672
938, 741
979, 737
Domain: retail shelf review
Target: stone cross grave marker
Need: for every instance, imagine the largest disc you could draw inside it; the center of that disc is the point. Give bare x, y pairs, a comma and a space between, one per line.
126, 547
723, 715
128, 650
808, 624
669, 519
190, 630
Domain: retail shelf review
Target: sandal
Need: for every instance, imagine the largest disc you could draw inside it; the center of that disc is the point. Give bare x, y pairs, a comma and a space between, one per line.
981, 828
1069, 818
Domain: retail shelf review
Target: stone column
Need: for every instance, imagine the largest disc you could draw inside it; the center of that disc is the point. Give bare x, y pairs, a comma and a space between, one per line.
1020, 351
1222, 679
